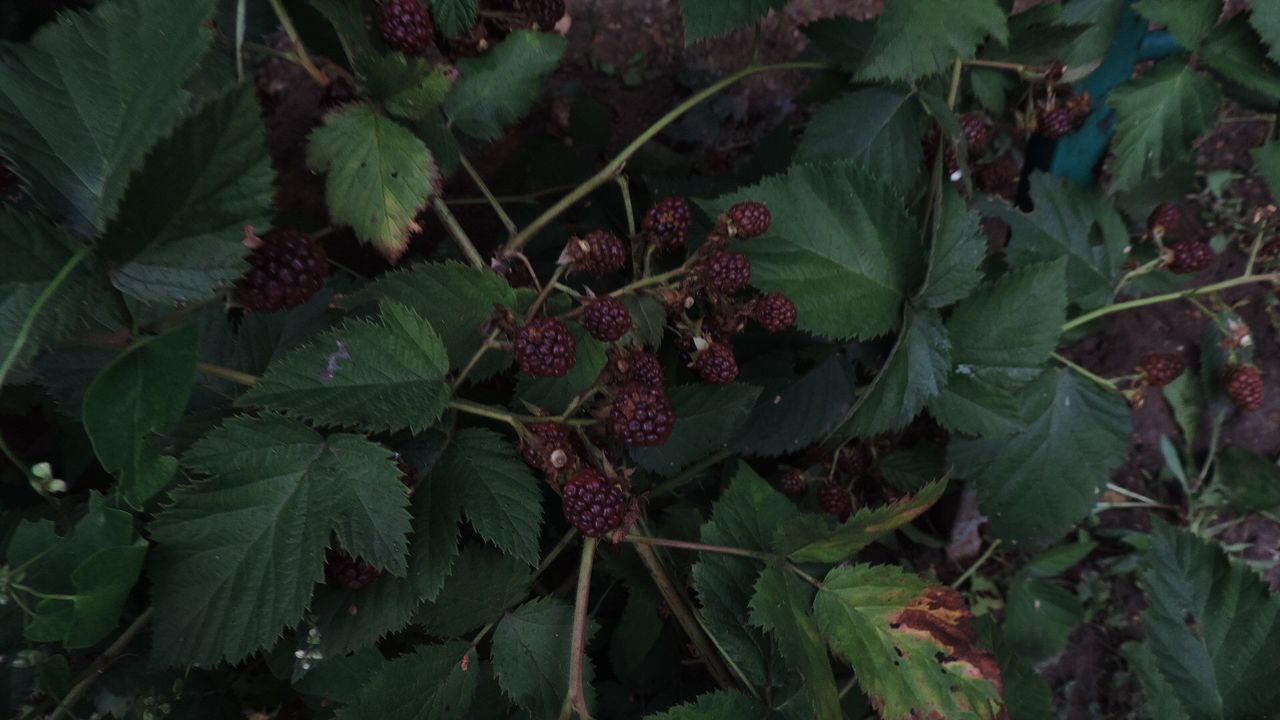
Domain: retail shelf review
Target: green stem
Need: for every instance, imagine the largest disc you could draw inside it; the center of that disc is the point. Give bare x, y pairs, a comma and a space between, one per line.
507, 222
28, 323
1166, 297
99, 665
488, 344
224, 373
577, 696
546, 291
304, 58
976, 565
1086, 373
688, 475
1253, 252
614, 166
1130, 494
528, 197
484, 411
698, 547
459, 235
650, 281
625, 187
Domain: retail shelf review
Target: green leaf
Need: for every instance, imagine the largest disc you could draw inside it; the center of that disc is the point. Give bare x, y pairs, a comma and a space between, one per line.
712, 18
707, 416
555, 393
796, 409
916, 371
1006, 330
841, 247
1187, 20
347, 18
780, 607
911, 469
1251, 482
238, 553
483, 584
1159, 116
143, 391
746, 516
1234, 50
1265, 18
379, 377
959, 247
1039, 617
531, 654
876, 127
969, 405
650, 320
712, 706
500, 496
1212, 626
1267, 160
409, 88
500, 87
1161, 701
181, 222
434, 683
379, 175
454, 17
807, 541
1069, 221
1072, 426
919, 38
894, 630
82, 103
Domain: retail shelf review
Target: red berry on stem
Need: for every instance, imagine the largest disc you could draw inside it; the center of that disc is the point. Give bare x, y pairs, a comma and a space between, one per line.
1056, 123
834, 500
406, 26
551, 449
285, 271
975, 135
1191, 256
643, 367
1243, 384
599, 252
545, 348
998, 176
593, 504
349, 572
642, 415
1160, 369
775, 312
794, 482
749, 219
727, 272
715, 364
606, 318
668, 223
1164, 218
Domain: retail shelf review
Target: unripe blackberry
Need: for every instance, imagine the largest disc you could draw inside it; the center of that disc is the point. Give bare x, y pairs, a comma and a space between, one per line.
1160, 369
552, 448
545, 348
1243, 384
286, 270
592, 503
349, 572
715, 364
606, 318
727, 272
599, 252
834, 500
1164, 218
775, 312
642, 415
1190, 257
975, 135
794, 482
749, 219
1056, 122
668, 223
406, 26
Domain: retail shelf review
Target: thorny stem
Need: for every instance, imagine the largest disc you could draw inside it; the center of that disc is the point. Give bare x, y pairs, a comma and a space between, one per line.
225, 373
99, 665
576, 698
507, 222
28, 323
1166, 297
1086, 373
458, 234
614, 166
304, 58
976, 564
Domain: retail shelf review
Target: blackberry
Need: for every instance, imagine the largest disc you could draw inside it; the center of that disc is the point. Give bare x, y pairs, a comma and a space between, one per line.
643, 367
349, 572
1243, 384
715, 364
551, 449
406, 26
1164, 219
749, 219
599, 252
1191, 256
606, 318
727, 272
794, 482
592, 504
642, 415
834, 500
1056, 122
545, 348
855, 460
1160, 369
775, 312
975, 135
286, 270
668, 223
998, 177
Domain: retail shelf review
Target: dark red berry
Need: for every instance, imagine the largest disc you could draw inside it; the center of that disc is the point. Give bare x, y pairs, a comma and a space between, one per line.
351, 573
1243, 384
545, 348
794, 482
643, 367
668, 223
1056, 122
606, 318
749, 219
286, 270
715, 364
834, 500
551, 449
727, 272
599, 252
592, 504
406, 26
641, 415
1160, 369
855, 460
1164, 219
999, 177
775, 312
975, 135
1191, 256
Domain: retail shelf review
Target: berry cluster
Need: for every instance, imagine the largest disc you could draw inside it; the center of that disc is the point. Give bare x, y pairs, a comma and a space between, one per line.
641, 415
593, 504
606, 318
834, 499
552, 449
1160, 369
1190, 256
287, 268
405, 26
1243, 385
544, 347
667, 223
599, 253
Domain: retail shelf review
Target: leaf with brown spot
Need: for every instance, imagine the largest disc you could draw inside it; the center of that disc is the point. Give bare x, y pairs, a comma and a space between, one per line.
912, 646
